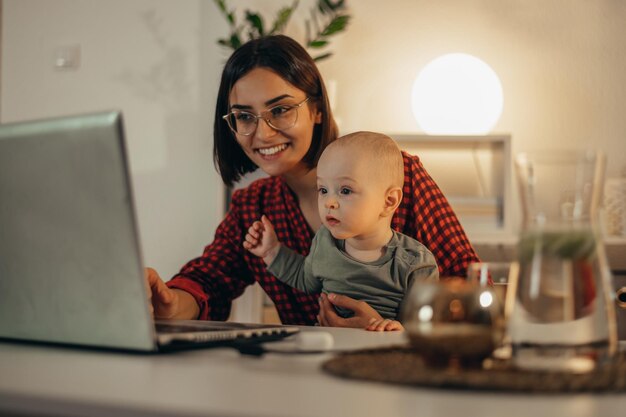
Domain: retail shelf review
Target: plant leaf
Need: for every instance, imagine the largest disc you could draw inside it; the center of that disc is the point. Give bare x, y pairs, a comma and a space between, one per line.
231, 18
235, 42
330, 7
221, 4
338, 5
317, 44
338, 24
282, 18
322, 57
256, 22
323, 6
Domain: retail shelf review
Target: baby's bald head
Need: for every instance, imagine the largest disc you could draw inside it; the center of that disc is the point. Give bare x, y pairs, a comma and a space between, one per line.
378, 151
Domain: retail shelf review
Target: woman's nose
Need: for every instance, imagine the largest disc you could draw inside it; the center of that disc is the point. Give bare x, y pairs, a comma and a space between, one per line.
264, 130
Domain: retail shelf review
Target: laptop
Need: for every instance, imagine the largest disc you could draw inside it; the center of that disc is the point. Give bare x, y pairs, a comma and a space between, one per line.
71, 269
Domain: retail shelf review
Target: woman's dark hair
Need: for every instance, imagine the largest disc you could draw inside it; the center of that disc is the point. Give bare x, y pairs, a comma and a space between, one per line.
290, 61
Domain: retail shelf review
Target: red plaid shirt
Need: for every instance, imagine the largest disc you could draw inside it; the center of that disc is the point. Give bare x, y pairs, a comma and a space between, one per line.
225, 269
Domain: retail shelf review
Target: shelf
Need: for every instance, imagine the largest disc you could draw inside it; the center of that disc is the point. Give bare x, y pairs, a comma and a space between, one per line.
615, 240
473, 172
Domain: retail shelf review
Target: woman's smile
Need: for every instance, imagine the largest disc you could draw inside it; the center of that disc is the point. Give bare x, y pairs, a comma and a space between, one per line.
272, 151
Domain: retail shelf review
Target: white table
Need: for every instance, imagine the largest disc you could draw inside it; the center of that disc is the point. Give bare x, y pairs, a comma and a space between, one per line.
38, 380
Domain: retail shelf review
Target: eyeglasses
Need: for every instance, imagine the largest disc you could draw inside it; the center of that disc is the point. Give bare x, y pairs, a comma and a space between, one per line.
281, 117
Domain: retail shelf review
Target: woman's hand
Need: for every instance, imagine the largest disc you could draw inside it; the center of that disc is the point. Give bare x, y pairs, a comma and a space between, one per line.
384, 325
163, 300
364, 315
167, 303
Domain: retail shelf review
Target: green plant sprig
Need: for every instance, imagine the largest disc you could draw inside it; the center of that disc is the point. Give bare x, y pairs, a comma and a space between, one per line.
336, 22
326, 20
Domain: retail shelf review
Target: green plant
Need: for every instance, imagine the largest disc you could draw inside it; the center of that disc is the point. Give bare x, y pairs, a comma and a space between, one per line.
325, 20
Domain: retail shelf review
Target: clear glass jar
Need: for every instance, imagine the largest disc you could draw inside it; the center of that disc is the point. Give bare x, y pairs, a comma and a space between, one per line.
560, 312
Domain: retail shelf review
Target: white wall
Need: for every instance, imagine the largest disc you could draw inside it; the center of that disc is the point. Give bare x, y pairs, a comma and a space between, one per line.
150, 59
561, 62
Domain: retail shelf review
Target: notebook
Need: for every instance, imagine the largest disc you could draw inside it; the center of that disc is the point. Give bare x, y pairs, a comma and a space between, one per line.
71, 269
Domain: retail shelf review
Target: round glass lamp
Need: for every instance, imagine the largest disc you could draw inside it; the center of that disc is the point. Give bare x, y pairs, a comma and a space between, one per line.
457, 94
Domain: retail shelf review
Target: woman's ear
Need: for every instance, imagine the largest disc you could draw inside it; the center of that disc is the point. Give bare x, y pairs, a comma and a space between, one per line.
393, 198
318, 116
317, 113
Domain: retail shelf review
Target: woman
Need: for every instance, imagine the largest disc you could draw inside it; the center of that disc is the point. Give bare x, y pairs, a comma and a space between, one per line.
273, 113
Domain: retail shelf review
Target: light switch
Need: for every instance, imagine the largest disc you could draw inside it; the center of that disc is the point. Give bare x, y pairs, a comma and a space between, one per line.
67, 57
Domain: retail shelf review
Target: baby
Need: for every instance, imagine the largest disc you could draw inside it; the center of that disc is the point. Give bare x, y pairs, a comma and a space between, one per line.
355, 253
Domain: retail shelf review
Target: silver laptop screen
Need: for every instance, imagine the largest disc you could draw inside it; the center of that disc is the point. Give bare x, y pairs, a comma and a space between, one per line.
70, 262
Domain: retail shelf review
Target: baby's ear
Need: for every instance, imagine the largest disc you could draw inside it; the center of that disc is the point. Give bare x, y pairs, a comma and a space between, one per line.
393, 198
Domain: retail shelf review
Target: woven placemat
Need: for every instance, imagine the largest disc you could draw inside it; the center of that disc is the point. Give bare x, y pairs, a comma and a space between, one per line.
401, 365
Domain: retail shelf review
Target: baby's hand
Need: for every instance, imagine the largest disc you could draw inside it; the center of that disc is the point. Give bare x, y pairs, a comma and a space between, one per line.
261, 240
384, 325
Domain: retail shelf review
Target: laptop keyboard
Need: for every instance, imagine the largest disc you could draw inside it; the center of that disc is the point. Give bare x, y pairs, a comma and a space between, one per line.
182, 328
